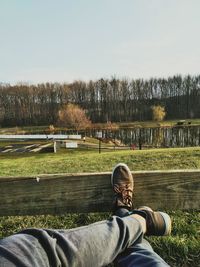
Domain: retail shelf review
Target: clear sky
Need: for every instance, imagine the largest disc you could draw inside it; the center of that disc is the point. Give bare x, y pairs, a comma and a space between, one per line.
66, 40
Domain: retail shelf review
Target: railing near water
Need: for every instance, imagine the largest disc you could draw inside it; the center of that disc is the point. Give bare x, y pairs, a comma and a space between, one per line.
38, 137
163, 136
177, 136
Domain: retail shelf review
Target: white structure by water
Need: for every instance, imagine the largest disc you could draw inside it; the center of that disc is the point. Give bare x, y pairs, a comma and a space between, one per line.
39, 136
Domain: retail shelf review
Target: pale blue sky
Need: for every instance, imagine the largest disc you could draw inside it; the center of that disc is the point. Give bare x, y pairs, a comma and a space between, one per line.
66, 40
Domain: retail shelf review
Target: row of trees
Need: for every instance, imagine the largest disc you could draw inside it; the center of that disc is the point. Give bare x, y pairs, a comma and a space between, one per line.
105, 100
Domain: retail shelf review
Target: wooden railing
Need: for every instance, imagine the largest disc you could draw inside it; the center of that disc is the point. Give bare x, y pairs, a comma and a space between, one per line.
92, 192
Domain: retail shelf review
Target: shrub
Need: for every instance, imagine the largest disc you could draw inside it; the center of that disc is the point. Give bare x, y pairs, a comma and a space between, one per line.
73, 116
158, 113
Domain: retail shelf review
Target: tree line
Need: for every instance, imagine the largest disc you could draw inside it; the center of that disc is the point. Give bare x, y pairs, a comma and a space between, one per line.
116, 100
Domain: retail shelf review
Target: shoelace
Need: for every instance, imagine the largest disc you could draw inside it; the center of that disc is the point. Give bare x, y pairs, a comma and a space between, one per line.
125, 192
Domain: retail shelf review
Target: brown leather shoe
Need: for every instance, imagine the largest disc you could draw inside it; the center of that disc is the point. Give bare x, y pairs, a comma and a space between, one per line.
158, 223
123, 184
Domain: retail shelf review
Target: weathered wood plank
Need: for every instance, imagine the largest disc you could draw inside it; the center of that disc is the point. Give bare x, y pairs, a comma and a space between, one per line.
90, 192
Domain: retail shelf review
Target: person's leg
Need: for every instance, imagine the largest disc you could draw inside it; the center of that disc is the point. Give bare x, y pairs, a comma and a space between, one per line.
140, 255
95, 245
157, 223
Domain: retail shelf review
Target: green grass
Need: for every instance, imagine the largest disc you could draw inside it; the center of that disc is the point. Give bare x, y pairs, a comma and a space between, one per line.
180, 249
69, 161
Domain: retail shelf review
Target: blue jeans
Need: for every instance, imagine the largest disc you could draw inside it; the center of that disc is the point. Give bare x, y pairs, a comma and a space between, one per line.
118, 240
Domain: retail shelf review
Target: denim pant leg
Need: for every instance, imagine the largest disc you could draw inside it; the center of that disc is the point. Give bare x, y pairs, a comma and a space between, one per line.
91, 246
140, 255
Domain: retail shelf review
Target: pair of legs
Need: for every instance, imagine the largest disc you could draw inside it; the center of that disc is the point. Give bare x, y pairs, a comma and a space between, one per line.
119, 239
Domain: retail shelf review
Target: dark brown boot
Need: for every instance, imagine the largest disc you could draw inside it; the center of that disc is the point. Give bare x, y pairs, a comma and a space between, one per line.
158, 223
123, 184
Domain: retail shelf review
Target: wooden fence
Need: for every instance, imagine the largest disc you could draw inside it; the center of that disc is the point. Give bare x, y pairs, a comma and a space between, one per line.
92, 192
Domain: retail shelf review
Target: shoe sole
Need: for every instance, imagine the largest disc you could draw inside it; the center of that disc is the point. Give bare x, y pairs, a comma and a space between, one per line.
120, 164
168, 223
165, 216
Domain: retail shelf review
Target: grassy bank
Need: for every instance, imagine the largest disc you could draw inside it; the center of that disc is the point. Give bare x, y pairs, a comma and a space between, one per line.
180, 249
91, 161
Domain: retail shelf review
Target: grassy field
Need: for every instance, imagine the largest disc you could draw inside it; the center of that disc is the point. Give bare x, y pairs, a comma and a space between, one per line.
91, 161
180, 249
